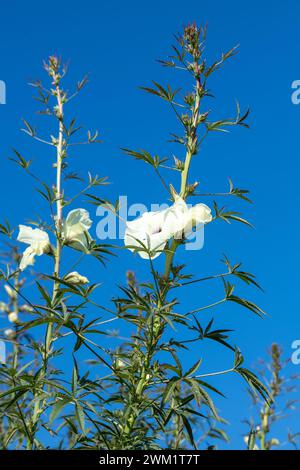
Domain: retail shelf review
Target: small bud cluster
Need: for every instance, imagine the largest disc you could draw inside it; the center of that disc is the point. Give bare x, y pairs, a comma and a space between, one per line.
52, 67
191, 37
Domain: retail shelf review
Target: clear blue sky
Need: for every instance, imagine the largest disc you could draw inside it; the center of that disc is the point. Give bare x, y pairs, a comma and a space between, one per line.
117, 44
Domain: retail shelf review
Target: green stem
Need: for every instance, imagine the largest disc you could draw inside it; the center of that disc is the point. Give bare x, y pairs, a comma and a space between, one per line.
157, 323
59, 157
38, 408
58, 221
191, 150
265, 428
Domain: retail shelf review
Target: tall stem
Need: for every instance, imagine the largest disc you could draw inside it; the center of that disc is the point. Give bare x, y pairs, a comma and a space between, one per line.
157, 324
191, 149
59, 157
58, 221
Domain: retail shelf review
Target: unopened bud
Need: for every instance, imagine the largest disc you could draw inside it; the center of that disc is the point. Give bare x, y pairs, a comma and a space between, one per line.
13, 317
10, 292
76, 278
9, 333
120, 364
26, 308
179, 165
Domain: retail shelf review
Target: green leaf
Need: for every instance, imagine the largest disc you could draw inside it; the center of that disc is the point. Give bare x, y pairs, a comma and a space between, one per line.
19, 160
80, 416
29, 129
194, 368
189, 430
145, 156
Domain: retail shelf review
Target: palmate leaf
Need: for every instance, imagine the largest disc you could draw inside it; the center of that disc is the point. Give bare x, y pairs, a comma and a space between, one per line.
20, 160
215, 335
255, 383
166, 94
49, 194
228, 216
244, 276
251, 379
43, 97
93, 138
230, 297
97, 180
82, 83
218, 63
240, 193
221, 124
72, 175
28, 129
247, 304
167, 63
197, 388
146, 157
5, 229
178, 56
71, 129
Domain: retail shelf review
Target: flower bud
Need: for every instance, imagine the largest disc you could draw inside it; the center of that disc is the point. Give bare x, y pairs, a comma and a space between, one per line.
9, 333
10, 292
120, 364
76, 278
26, 308
13, 317
179, 164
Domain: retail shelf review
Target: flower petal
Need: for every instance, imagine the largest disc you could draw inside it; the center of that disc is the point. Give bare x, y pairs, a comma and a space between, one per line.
77, 221
176, 218
27, 258
200, 213
31, 236
136, 241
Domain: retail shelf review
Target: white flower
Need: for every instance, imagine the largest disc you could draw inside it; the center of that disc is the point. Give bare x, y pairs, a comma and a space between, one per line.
154, 229
9, 333
76, 227
120, 364
13, 317
75, 278
38, 242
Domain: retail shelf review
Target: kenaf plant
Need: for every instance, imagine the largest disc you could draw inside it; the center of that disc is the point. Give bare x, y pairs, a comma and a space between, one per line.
283, 386
144, 396
154, 391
